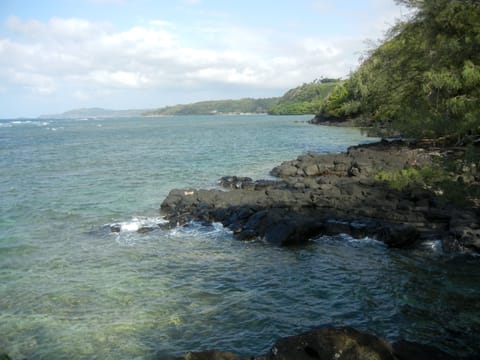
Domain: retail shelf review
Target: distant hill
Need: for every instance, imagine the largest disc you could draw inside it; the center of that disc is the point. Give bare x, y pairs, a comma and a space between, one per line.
305, 99
93, 113
242, 106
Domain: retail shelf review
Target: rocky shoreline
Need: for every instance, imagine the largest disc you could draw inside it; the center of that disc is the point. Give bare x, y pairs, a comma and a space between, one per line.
330, 343
334, 194
335, 343
329, 194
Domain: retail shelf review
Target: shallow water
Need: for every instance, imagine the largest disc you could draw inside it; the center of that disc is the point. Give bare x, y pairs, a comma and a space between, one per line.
71, 288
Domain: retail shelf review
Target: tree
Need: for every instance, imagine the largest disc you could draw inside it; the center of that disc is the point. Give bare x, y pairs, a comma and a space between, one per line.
425, 76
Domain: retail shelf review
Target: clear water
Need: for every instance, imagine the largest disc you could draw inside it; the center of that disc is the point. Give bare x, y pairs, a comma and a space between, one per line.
69, 288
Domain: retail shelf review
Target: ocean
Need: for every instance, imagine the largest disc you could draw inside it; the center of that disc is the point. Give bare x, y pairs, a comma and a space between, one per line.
71, 288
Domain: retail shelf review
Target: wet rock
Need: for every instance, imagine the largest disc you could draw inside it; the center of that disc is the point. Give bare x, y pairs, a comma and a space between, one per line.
354, 171
292, 232
407, 350
116, 228
331, 194
234, 182
284, 170
311, 170
266, 184
399, 236
464, 231
342, 343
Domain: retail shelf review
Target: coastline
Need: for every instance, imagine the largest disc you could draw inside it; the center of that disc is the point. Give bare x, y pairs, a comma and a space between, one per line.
330, 194
336, 193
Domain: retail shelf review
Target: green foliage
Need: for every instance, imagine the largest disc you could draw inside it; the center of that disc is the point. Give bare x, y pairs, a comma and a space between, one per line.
453, 181
339, 103
425, 177
305, 99
425, 76
242, 106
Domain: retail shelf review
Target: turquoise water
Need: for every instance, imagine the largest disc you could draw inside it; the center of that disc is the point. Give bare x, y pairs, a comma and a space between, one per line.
71, 288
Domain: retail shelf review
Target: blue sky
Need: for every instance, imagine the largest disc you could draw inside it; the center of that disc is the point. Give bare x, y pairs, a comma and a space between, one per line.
124, 54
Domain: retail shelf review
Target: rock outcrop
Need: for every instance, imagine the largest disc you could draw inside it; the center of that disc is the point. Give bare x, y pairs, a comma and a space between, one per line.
336, 343
331, 194
343, 343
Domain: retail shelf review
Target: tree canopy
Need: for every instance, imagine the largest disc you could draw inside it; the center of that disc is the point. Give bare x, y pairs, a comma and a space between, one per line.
246, 105
425, 77
305, 99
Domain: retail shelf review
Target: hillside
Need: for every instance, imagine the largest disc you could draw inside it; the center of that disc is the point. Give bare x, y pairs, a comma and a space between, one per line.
424, 80
242, 106
304, 99
93, 113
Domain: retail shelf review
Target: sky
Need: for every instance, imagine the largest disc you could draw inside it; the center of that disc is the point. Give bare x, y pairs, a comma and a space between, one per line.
57, 55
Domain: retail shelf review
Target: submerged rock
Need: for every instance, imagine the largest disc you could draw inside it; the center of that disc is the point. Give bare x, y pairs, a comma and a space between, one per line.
336, 343
343, 343
407, 350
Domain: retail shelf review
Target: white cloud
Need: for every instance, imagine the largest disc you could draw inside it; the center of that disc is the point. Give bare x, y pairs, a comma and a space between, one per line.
37, 83
119, 78
89, 58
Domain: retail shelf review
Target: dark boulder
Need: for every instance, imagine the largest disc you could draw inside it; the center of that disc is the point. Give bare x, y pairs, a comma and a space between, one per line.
343, 343
330, 194
407, 350
292, 232
235, 182
464, 231
398, 236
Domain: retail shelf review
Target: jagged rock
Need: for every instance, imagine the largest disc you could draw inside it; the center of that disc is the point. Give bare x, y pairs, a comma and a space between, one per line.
407, 350
328, 194
399, 235
284, 170
335, 343
342, 343
234, 182
464, 228
311, 170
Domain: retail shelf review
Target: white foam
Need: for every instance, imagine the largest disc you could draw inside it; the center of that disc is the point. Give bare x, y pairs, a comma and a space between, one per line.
20, 122
130, 226
194, 228
24, 122
351, 241
137, 223
433, 245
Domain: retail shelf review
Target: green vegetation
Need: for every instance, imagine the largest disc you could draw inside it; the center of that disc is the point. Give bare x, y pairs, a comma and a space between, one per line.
305, 99
453, 180
425, 177
425, 78
242, 106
